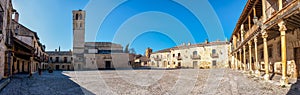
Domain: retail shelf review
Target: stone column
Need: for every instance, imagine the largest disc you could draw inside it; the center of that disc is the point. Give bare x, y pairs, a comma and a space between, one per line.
266, 56
282, 29
250, 56
244, 58
257, 65
236, 61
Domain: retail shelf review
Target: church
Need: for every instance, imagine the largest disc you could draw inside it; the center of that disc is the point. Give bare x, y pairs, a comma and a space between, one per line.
95, 55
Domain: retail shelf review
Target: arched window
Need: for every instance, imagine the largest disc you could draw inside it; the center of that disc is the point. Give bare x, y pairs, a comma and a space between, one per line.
195, 53
80, 17
76, 16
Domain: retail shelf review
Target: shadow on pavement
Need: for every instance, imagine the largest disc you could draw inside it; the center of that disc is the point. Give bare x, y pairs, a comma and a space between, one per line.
55, 83
295, 88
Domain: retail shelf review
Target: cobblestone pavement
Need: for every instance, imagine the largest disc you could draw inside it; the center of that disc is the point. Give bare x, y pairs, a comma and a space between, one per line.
143, 82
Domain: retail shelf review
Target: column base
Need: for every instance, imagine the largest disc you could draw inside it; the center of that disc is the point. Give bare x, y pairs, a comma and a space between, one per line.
257, 73
251, 72
284, 81
267, 77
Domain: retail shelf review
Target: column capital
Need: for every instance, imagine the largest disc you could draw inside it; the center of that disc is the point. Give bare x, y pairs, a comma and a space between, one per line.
282, 26
255, 40
264, 34
249, 43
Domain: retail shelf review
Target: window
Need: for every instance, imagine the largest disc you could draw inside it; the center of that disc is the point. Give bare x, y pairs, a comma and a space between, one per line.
195, 53
173, 55
104, 51
214, 63
51, 59
178, 54
76, 16
80, 16
65, 59
214, 51
63, 66
56, 59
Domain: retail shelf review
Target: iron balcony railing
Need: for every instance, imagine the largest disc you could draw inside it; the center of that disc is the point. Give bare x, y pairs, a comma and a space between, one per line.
214, 55
196, 57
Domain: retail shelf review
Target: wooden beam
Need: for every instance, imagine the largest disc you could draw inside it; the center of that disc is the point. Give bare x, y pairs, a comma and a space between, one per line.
250, 10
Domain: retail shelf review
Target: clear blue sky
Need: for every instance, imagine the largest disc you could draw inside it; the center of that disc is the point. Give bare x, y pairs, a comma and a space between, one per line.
162, 25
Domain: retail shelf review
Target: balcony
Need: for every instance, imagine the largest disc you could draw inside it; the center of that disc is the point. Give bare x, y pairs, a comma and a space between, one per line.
214, 55
179, 58
107, 57
196, 57
251, 31
157, 59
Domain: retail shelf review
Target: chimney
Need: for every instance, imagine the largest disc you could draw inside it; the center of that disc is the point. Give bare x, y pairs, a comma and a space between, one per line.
55, 50
16, 17
189, 43
206, 41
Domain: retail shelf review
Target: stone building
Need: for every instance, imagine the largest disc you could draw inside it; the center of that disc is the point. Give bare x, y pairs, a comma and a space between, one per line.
20, 49
95, 55
59, 60
266, 38
204, 55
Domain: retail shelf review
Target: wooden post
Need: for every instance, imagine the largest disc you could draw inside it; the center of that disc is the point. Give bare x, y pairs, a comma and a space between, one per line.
264, 10
279, 5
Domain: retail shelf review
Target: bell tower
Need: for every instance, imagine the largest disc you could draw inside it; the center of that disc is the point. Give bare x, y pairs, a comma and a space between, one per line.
78, 39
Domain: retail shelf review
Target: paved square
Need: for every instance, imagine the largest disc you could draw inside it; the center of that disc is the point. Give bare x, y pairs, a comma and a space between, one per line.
142, 82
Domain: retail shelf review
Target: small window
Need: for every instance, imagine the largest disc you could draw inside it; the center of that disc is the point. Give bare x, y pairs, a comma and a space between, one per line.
195, 53
80, 17
57, 59
214, 51
65, 59
76, 16
214, 63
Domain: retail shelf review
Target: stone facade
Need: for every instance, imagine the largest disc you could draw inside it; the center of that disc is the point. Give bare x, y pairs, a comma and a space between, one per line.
205, 55
59, 60
20, 49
